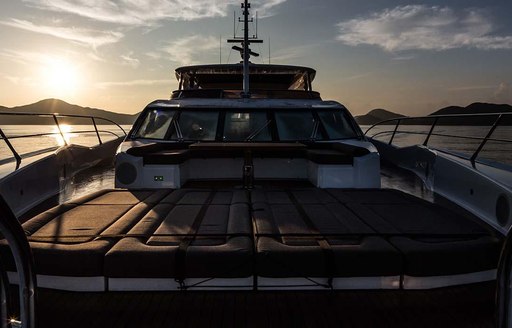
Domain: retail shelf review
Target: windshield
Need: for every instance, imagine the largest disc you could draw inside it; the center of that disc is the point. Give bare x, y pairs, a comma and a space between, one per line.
243, 126
294, 125
336, 125
235, 125
197, 125
156, 124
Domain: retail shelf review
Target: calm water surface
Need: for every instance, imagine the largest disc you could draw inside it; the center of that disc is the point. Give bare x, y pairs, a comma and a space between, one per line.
103, 177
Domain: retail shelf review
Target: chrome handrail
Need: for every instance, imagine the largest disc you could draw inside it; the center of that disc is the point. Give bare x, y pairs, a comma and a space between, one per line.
503, 315
13, 232
436, 118
55, 118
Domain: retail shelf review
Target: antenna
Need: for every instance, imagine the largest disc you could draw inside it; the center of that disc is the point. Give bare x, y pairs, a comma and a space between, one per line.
245, 51
220, 49
269, 50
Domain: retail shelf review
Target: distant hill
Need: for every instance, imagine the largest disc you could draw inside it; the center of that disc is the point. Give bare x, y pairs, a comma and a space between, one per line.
475, 108
378, 115
375, 116
50, 106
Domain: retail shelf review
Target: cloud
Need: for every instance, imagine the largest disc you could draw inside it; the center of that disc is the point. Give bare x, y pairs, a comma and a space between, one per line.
472, 88
423, 27
184, 50
285, 55
403, 58
147, 12
26, 57
129, 60
266, 8
503, 93
23, 81
135, 83
89, 37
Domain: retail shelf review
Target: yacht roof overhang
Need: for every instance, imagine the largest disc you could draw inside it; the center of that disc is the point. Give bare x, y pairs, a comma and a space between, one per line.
230, 77
216, 104
238, 69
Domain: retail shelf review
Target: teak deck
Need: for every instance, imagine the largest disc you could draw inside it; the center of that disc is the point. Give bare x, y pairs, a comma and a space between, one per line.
464, 306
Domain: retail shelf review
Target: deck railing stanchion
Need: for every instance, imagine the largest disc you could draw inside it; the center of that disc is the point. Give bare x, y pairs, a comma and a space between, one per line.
394, 131
11, 147
484, 141
96, 129
60, 130
430, 132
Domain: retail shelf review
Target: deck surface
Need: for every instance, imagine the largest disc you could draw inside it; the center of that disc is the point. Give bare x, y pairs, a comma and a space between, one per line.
466, 306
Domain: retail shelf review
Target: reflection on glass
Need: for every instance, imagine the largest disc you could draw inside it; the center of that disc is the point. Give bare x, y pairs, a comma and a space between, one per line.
294, 125
198, 125
336, 125
243, 126
156, 124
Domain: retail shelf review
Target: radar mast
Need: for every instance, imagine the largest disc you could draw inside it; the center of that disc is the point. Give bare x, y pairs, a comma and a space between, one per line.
245, 50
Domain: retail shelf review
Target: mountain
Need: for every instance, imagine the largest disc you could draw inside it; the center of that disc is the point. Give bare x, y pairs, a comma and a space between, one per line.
378, 115
474, 108
50, 106
375, 116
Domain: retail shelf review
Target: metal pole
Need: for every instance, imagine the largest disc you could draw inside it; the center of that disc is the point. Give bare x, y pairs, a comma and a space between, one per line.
246, 50
482, 144
60, 130
394, 132
430, 132
11, 147
96, 129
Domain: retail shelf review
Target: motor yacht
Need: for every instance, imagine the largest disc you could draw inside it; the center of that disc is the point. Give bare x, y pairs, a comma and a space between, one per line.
247, 200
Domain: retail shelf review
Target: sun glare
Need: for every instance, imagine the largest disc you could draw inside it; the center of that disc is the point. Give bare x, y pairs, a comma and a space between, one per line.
66, 132
61, 77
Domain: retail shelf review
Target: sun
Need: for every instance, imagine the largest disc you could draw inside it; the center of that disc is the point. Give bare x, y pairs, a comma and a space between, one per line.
61, 77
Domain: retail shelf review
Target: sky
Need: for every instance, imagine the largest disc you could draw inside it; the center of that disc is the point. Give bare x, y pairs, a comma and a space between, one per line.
407, 57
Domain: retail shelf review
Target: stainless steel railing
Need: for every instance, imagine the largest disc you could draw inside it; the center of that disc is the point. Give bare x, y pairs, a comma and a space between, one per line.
15, 235
494, 120
16, 156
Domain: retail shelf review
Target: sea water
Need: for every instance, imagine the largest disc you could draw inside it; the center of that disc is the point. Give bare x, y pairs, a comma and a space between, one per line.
30, 138
463, 140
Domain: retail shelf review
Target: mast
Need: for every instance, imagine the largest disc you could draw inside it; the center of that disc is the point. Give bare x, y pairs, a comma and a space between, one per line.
246, 54
245, 50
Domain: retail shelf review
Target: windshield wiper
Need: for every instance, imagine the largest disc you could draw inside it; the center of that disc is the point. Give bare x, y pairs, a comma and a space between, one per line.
316, 125
257, 132
177, 127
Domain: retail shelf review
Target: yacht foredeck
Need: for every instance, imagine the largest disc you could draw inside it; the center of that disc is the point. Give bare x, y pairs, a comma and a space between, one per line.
271, 237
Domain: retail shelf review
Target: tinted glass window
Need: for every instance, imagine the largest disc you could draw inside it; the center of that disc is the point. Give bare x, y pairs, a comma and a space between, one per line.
336, 125
155, 124
294, 125
197, 125
240, 126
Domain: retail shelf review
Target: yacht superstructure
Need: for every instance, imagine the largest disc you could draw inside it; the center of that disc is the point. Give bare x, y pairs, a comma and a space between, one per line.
245, 180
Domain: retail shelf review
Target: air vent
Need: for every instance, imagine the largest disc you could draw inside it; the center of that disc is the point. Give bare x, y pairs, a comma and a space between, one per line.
126, 173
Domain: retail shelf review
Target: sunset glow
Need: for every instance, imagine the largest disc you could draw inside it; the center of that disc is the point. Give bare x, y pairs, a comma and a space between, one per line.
407, 57
66, 131
60, 77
